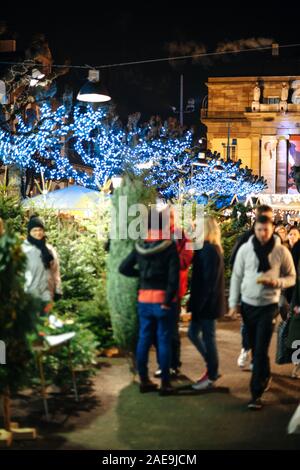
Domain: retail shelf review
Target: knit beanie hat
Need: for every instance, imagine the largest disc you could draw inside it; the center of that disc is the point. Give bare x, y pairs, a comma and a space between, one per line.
35, 222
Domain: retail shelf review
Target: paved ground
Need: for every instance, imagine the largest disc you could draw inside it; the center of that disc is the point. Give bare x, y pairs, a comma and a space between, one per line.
114, 415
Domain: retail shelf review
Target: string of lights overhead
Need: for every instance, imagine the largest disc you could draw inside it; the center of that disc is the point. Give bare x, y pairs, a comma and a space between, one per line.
162, 59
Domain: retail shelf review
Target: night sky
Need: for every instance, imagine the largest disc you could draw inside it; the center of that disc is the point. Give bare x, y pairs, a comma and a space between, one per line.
117, 35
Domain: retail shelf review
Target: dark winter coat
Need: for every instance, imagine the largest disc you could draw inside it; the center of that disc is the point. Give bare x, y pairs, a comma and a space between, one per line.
207, 299
295, 251
294, 326
156, 263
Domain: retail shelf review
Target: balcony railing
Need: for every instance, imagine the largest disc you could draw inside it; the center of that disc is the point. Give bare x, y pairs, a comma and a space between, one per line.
207, 114
263, 108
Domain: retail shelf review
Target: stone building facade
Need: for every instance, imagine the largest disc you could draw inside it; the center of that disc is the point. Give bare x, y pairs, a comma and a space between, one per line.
256, 119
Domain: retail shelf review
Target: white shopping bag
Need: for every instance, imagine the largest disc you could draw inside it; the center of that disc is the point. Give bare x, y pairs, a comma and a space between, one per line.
294, 424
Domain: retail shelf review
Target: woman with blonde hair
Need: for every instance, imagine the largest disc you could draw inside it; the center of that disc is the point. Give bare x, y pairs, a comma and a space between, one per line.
207, 300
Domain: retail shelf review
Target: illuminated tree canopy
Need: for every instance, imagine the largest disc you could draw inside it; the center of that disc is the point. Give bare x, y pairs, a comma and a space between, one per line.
167, 160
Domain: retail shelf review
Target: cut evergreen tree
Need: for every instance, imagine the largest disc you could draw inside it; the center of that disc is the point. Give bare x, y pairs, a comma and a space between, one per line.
18, 316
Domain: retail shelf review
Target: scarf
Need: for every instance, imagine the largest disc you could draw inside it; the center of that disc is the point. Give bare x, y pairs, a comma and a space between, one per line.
46, 254
262, 252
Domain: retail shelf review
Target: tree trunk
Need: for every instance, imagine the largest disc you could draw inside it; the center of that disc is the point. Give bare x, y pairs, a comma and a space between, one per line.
14, 181
6, 409
132, 365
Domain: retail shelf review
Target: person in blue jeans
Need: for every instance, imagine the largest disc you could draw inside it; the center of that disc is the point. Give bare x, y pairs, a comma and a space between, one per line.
155, 320
207, 301
156, 262
202, 333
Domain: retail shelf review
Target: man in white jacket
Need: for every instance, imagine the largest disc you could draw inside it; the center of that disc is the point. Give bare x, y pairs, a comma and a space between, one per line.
263, 266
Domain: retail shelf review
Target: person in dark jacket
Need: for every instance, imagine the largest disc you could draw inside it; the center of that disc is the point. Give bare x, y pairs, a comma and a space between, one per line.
185, 254
155, 261
293, 297
283, 305
282, 232
260, 210
294, 247
207, 300
294, 244
293, 337
245, 351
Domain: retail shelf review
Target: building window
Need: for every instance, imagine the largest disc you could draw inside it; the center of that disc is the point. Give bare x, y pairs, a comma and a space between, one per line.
272, 100
233, 153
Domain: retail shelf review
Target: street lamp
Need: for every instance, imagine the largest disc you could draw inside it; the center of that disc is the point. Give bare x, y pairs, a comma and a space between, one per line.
229, 146
228, 142
146, 165
116, 181
190, 107
200, 163
218, 166
201, 160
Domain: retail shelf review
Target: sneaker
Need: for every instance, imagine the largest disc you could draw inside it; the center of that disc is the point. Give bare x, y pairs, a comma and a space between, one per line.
174, 372
203, 384
296, 372
203, 376
255, 404
147, 386
243, 358
166, 388
268, 384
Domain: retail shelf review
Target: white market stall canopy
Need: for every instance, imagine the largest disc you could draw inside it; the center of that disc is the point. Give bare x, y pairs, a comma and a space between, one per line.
76, 200
286, 202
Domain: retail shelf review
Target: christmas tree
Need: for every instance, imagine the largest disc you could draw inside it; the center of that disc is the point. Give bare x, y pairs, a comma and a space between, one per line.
18, 314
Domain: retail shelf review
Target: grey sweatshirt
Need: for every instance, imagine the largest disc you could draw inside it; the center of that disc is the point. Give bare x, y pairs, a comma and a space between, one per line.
243, 283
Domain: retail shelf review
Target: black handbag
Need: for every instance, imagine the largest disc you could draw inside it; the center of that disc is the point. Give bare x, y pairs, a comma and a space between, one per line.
283, 352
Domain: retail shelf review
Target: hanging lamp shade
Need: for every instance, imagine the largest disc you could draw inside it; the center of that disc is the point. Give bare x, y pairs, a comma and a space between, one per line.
93, 90
218, 166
